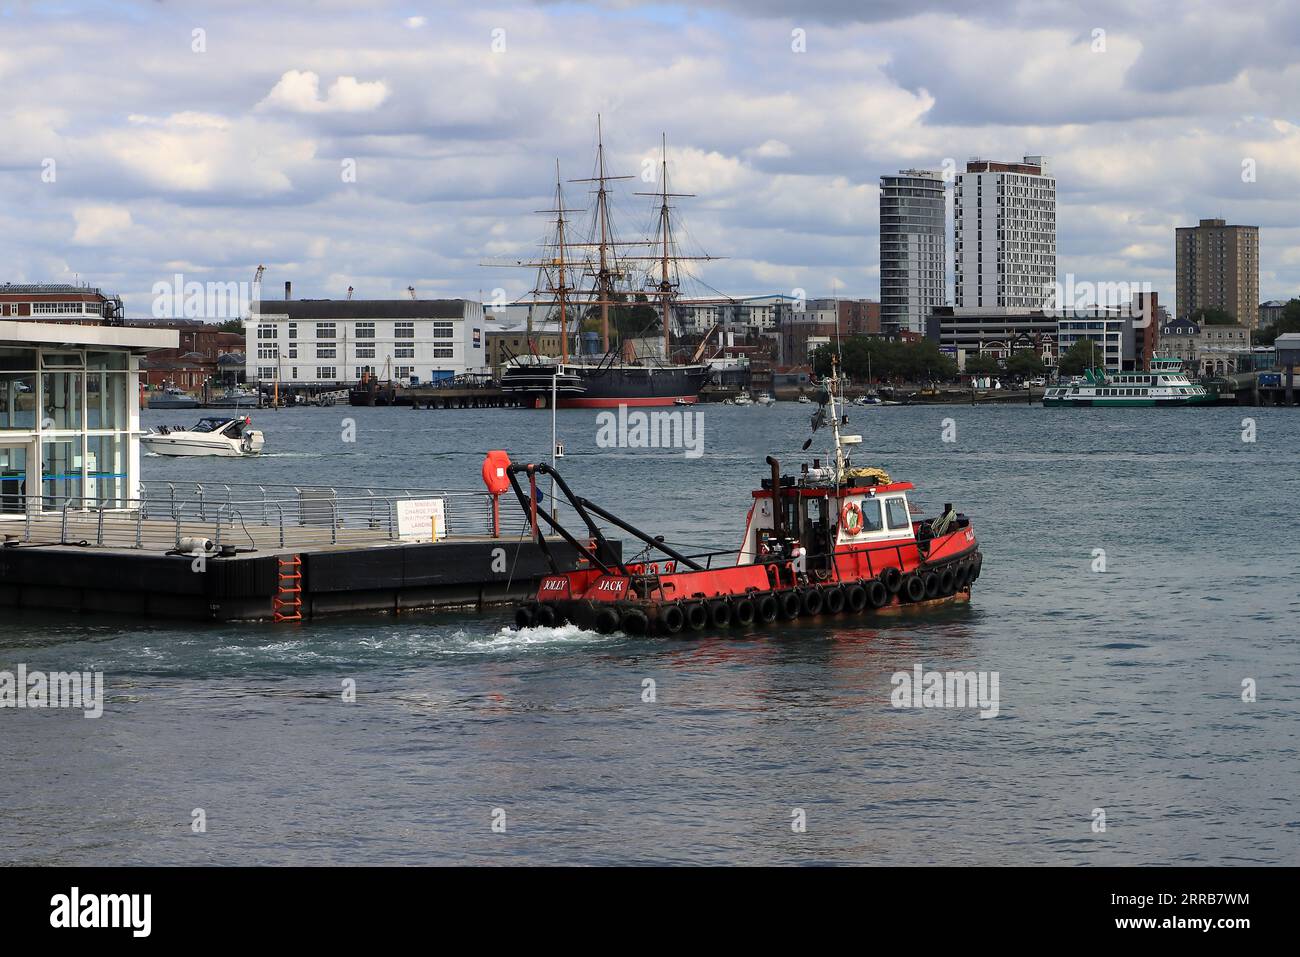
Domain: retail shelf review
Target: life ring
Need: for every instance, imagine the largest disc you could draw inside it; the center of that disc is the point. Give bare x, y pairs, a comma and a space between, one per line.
851, 527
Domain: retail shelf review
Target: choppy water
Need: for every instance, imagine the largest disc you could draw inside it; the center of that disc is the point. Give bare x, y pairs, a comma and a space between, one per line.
1119, 690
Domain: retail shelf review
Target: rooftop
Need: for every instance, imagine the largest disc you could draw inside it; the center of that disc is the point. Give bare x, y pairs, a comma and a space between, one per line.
362, 308
72, 336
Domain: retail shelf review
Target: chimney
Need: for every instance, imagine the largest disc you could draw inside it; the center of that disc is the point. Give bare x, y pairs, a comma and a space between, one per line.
288, 290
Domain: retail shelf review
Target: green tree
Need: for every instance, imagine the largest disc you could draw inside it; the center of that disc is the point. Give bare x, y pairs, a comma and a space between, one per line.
1289, 321
1026, 364
982, 365
1213, 317
232, 325
1084, 354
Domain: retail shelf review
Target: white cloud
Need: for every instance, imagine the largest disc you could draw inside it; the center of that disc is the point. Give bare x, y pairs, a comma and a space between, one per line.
97, 225
298, 91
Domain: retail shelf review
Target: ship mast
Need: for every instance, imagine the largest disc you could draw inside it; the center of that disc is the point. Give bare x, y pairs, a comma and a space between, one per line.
666, 288
605, 275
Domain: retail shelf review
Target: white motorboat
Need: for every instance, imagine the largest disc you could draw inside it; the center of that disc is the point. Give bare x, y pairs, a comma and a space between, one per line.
214, 435
765, 398
804, 399
869, 399
744, 399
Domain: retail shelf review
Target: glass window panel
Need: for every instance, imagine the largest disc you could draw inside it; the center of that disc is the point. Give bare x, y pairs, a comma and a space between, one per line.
61, 473
17, 400
62, 400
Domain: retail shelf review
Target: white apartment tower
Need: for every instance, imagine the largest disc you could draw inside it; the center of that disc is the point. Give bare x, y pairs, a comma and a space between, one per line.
913, 248
1004, 235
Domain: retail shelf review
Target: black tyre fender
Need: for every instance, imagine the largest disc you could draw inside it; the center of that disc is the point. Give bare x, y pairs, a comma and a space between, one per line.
947, 582
790, 604
912, 588
833, 599
767, 609
855, 598
697, 616
546, 617
811, 601
743, 611
671, 619
635, 622
524, 615
892, 579
608, 621
931, 580
719, 613
877, 594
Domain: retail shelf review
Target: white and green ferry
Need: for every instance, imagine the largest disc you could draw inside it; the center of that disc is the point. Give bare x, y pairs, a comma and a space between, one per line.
1165, 385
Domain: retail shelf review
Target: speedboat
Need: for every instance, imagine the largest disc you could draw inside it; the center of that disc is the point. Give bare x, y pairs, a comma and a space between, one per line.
172, 398
214, 435
868, 399
744, 399
804, 399
765, 399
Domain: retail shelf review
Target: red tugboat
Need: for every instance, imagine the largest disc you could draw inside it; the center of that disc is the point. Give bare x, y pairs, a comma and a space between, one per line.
833, 540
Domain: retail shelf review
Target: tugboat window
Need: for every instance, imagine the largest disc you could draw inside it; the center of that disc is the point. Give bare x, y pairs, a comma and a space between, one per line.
896, 509
871, 515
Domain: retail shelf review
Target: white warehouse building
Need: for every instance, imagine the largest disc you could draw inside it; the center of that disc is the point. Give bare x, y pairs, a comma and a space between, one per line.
332, 342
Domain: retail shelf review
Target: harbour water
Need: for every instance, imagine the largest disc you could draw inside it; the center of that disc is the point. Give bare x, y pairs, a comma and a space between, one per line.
1121, 690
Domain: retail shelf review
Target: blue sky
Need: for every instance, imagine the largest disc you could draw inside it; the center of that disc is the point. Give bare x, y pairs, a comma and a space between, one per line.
207, 158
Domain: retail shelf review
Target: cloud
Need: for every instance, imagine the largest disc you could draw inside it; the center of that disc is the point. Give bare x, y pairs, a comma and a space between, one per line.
298, 91
99, 224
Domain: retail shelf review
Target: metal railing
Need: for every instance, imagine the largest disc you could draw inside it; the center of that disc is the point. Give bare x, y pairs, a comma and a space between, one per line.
245, 515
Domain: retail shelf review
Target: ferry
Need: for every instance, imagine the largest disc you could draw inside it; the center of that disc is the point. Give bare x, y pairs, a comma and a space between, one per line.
1164, 385
834, 539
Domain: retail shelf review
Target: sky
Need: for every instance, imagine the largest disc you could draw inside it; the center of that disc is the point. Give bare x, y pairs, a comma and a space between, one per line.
392, 145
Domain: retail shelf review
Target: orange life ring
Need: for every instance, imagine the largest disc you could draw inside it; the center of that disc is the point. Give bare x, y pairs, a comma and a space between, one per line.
851, 527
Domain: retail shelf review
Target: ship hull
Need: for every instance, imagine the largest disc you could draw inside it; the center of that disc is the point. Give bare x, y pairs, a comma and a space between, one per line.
633, 386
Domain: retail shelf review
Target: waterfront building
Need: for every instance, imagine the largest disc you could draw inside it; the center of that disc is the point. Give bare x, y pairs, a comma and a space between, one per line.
1217, 267
1004, 235
764, 313
913, 248
70, 413
963, 333
59, 302
333, 342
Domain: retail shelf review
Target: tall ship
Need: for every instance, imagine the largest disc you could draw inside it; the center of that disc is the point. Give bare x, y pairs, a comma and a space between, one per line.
627, 288
1164, 385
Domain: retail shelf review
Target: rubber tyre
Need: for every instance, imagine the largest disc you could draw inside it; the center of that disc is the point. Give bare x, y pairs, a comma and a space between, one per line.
790, 605
947, 582
932, 584
671, 619
607, 621
960, 575
977, 568
697, 616
811, 601
912, 588
767, 609
833, 598
635, 622
743, 611
877, 594
855, 598
545, 617
524, 616
892, 579
719, 614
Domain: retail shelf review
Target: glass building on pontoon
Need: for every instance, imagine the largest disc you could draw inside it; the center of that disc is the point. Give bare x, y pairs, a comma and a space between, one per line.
70, 413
